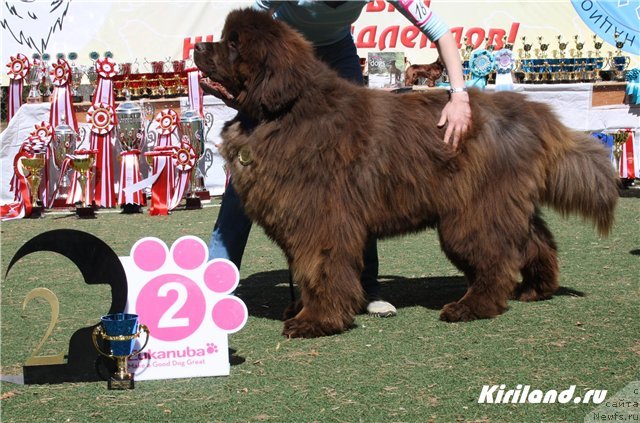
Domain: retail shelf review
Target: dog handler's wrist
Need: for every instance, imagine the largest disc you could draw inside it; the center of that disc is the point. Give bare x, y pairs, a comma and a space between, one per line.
458, 94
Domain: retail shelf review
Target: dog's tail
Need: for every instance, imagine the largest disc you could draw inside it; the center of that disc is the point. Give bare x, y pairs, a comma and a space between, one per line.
583, 180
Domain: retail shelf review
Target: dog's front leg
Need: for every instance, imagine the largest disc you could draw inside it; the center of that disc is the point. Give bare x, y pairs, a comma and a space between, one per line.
331, 293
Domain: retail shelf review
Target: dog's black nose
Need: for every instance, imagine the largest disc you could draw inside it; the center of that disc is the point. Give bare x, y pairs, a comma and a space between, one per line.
200, 48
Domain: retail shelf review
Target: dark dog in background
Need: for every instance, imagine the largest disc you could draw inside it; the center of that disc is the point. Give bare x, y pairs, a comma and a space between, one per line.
430, 73
329, 164
395, 74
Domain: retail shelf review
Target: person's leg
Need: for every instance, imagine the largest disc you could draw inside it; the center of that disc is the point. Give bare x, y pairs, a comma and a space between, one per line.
343, 58
231, 231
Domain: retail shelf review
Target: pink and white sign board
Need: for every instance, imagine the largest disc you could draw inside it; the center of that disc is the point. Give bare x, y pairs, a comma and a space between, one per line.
185, 300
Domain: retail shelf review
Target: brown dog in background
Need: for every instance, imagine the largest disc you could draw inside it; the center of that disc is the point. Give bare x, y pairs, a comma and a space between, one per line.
430, 73
327, 164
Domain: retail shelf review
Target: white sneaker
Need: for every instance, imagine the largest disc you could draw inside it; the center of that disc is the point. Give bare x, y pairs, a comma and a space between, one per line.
380, 308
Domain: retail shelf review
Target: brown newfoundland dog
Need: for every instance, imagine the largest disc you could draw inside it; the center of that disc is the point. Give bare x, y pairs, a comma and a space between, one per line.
329, 164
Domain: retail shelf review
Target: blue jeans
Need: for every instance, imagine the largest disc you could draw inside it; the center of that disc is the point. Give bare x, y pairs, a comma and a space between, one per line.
231, 230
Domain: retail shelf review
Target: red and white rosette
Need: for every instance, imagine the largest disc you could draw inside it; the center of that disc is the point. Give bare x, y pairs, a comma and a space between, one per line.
18, 69
60, 73
106, 68
184, 158
167, 122
43, 130
102, 118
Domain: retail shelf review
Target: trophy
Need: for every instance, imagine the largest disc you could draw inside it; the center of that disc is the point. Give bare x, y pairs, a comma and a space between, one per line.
82, 162
192, 127
76, 78
92, 76
129, 133
35, 165
63, 142
619, 63
46, 78
121, 331
34, 78
542, 52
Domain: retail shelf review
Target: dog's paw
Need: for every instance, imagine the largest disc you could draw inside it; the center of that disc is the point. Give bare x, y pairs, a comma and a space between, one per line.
457, 312
302, 328
530, 294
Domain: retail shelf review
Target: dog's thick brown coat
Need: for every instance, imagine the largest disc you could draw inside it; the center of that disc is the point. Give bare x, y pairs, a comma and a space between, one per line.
333, 164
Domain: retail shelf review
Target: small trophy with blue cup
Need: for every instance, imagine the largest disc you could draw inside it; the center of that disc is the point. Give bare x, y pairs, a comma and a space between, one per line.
121, 331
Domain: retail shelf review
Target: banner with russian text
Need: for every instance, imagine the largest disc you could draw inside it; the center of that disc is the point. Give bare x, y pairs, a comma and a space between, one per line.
141, 32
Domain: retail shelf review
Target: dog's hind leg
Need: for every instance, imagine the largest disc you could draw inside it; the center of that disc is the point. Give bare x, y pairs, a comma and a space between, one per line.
486, 250
330, 292
540, 264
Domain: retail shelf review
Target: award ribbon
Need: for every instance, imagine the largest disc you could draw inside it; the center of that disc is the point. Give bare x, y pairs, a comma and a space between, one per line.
195, 91
18, 69
62, 107
22, 206
633, 86
130, 175
481, 65
504, 63
102, 118
627, 168
185, 161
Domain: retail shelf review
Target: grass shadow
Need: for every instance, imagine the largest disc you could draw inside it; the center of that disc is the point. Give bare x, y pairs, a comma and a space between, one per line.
267, 294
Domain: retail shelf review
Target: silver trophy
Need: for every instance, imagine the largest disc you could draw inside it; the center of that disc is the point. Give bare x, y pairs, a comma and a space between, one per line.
129, 133
129, 129
34, 77
64, 141
192, 127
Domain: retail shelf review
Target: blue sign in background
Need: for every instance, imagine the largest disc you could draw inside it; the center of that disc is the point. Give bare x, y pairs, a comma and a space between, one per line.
606, 17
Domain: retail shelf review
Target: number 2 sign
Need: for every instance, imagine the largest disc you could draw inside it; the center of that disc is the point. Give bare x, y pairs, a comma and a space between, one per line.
185, 300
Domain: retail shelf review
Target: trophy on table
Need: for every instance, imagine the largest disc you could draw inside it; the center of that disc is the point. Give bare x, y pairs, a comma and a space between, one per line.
121, 331
618, 62
76, 79
129, 133
46, 77
34, 165
34, 77
92, 76
64, 142
192, 127
82, 161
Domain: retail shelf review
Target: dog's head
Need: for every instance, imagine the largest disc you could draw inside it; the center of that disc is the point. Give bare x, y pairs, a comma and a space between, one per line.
259, 66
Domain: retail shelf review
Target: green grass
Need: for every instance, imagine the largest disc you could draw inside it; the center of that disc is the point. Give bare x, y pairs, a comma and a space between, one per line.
410, 368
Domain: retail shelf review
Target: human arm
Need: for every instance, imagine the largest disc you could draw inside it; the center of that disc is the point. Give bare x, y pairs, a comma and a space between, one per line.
457, 112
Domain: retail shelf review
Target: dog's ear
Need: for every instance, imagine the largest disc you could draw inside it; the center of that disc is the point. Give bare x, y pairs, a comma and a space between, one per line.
288, 67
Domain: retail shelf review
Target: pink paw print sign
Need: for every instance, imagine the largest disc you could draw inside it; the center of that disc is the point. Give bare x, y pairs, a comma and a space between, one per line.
186, 302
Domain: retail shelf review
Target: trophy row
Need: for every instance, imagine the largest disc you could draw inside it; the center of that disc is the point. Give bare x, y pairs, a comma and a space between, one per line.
159, 83
564, 64
129, 133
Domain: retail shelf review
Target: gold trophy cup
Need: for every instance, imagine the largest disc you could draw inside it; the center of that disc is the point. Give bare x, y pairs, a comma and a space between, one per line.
35, 165
82, 162
120, 330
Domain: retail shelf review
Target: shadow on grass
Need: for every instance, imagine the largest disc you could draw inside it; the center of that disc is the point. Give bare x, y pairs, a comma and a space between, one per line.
267, 294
